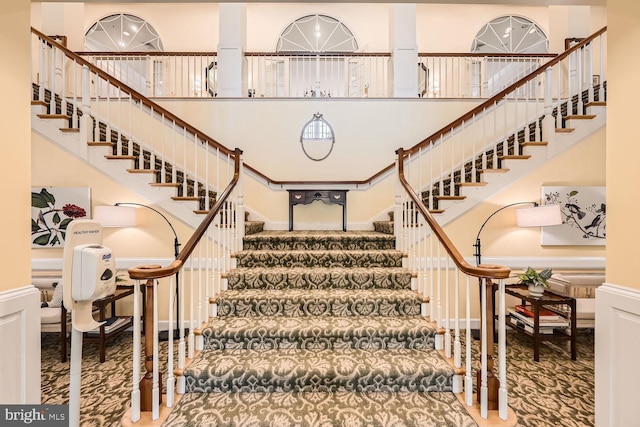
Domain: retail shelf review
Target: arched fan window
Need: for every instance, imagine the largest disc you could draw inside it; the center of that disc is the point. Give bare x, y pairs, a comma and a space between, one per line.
122, 33
317, 33
510, 34
128, 33
504, 35
321, 74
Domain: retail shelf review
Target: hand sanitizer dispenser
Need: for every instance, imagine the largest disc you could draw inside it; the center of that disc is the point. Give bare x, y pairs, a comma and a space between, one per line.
93, 272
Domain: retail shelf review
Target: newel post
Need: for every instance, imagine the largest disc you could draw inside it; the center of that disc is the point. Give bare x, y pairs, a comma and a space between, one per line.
493, 383
146, 383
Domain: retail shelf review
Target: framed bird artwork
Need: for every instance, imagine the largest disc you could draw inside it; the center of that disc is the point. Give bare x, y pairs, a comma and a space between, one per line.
584, 215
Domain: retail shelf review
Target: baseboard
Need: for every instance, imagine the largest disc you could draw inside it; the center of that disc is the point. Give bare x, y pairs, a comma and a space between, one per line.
616, 352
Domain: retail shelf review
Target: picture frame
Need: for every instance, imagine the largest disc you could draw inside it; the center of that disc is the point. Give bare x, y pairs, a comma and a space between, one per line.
52, 209
584, 215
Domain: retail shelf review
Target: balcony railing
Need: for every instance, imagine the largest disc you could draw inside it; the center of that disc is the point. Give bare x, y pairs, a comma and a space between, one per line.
285, 75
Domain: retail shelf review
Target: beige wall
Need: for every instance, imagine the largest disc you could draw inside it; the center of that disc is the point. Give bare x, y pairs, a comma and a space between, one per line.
15, 150
151, 238
623, 150
582, 165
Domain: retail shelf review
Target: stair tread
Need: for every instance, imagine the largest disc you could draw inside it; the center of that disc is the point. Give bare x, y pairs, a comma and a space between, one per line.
316, 294
346, 408
318, 302
319, 332
319, 278
312, 239
319, 258
370, 370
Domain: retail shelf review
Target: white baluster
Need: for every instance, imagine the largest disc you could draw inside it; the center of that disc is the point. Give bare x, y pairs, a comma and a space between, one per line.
135, 392
468, 382
483, 387
155, 390
170, 349
502, 353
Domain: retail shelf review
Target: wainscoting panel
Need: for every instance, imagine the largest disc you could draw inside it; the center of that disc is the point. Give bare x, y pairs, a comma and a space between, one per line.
20, 349
617, 348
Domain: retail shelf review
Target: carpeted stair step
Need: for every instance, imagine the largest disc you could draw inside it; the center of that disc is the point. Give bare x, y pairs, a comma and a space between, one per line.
383, 226
319, 240
319, 278
252, 227
297, 370
319, 333
320, 258
322, 409
331, 302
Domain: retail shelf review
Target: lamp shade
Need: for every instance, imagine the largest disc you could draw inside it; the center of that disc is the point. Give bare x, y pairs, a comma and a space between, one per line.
115, 216
539, 216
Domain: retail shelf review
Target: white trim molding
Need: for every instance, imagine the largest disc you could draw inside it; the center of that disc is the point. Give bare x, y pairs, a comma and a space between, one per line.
616, 353
20, 351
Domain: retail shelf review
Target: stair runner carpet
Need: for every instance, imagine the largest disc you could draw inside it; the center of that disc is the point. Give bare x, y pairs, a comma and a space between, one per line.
319, 329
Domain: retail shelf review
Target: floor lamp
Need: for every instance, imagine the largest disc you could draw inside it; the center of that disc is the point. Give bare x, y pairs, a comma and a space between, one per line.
534, 216
124, 215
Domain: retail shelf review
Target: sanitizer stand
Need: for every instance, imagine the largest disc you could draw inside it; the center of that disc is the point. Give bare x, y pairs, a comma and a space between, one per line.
88, 274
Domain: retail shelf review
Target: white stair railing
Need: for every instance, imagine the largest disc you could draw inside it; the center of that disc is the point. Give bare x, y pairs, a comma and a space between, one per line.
175, 155
345, 75
466, 153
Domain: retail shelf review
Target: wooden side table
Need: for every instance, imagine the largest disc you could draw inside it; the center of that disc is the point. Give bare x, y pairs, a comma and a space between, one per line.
552, 302
330, 197
102, 336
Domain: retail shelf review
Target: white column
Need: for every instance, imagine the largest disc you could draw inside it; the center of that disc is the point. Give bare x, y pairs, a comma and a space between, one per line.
404, 51
231, 48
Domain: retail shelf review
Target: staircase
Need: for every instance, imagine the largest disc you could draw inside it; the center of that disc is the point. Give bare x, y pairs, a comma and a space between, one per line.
319, 328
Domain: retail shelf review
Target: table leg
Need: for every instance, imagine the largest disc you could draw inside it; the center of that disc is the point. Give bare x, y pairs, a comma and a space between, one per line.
101, 342
574, 330
344, 217
290, 216
536, 331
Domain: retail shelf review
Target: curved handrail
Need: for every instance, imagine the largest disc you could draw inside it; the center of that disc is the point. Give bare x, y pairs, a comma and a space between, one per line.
458, 122
451, 126
136, 95
153, 272
483, 270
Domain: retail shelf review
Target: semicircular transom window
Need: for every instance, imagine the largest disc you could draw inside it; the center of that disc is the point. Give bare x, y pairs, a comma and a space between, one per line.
317, 33
510, 34
122, 33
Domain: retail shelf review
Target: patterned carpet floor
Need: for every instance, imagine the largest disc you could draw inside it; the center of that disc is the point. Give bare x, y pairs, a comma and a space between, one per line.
553, 392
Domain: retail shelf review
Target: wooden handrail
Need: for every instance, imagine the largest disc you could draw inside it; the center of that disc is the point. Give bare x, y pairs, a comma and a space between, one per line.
488, 55
458, 122
433, 137
145, 273
353, 54
137, 95
482, 270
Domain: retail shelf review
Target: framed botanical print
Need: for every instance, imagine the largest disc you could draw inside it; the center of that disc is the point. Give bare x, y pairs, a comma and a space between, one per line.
52, 209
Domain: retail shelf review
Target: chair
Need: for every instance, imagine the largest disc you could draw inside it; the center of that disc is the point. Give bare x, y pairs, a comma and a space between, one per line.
53, 316
582, 287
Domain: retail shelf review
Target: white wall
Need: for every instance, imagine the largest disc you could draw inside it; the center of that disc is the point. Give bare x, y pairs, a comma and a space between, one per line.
440, 27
